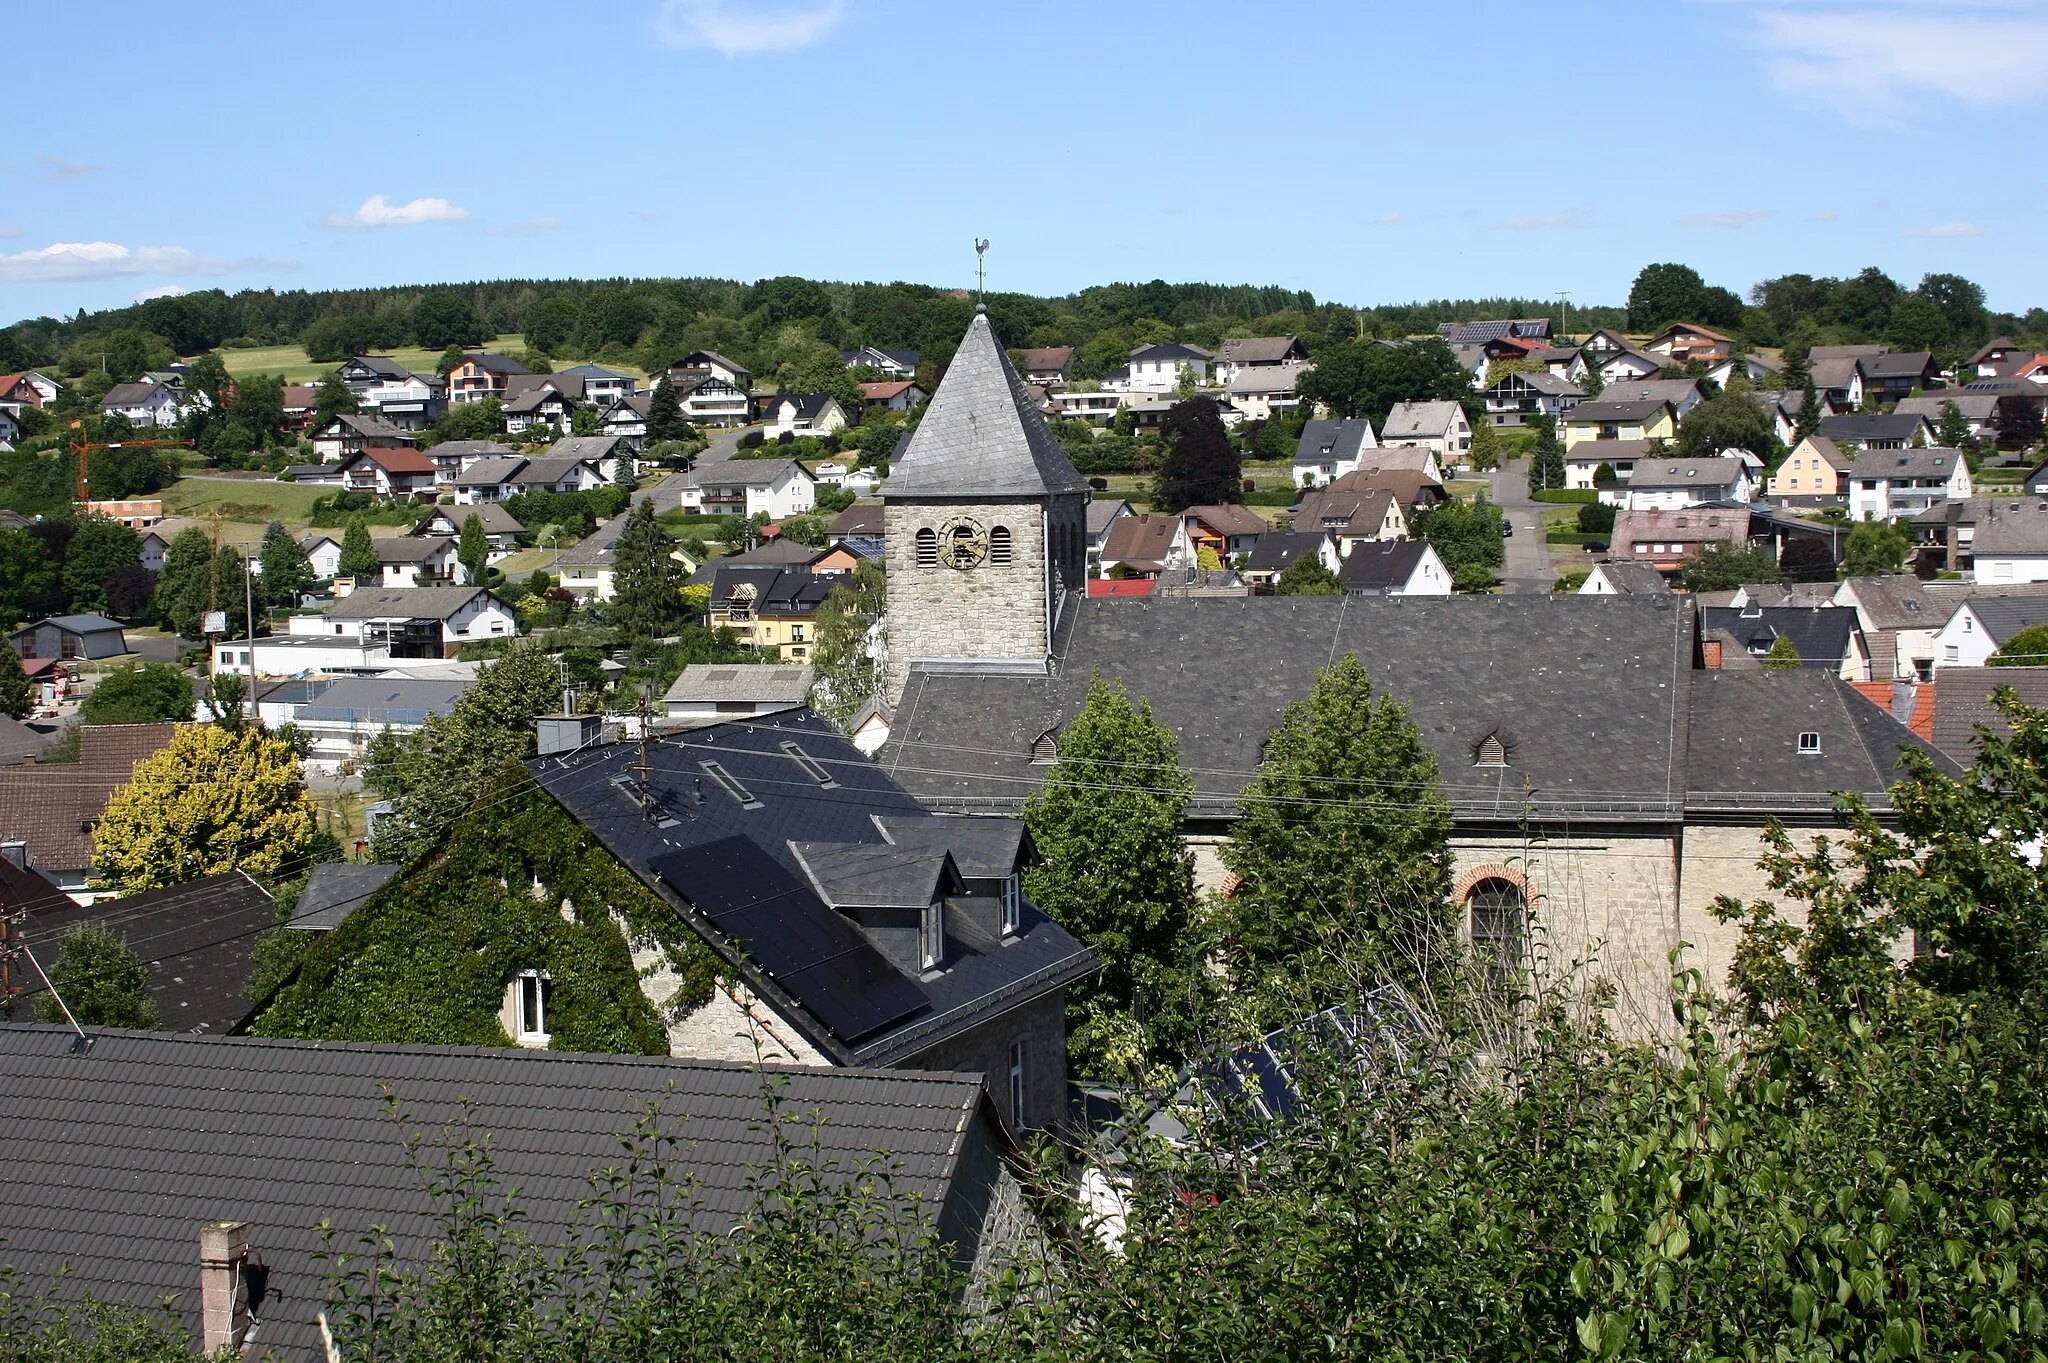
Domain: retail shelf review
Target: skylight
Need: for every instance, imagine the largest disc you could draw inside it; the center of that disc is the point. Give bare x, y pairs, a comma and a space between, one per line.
729, 783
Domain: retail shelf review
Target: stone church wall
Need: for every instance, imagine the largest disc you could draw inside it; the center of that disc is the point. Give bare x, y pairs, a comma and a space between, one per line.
991, 611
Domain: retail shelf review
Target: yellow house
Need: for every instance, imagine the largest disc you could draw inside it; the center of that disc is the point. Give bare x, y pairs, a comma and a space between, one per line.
770, 608
1815, 468
1635, 419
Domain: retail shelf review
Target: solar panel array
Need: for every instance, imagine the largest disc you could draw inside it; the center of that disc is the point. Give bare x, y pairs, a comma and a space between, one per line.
802, 944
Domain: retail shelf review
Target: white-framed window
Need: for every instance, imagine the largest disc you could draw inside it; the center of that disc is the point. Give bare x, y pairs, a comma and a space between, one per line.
1809, 743
1013, 904
1951, 653
933, 935
530, 1007
1020, 1054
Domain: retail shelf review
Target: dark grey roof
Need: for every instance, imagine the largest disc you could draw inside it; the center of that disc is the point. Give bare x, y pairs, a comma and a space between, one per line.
372, 702
1745, 741
18, 740
471, 449
808, 405
1169, 350
983, 849
1104, 510
1381, 565
416, 603
1543, 381
75, 624
116, 1157
383, 366
1820, 633
876, 874
1899, 364
496, 364
1673, 391
1872, 426
198, 938
2005, 616
1258, 350
550, 468
1631, 578
1587, 693
372, 427
1962, 702
694, 809
1975, 406
1715, 472
1276, 549
1926, 462
494, 518
1334, 440
776, 591
132, 394
1522, 328
2012, 526
1629, 409
334, 890
490, 471
982, 435
410, 548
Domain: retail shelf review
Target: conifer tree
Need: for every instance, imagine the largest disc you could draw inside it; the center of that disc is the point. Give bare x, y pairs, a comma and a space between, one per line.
1807, 423
473, 549
1546, 458
359, 553
1954, 429
14, 687
647, 595
664, 412
1118, 875
1784, 655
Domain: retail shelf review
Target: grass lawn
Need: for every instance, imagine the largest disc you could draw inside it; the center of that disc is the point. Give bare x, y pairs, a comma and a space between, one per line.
291, 361
1466, 490
257, 500
523, 563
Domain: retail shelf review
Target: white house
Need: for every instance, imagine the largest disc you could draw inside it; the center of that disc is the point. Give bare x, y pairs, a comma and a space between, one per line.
1888, 484
1156, 368
1257, 392
1394, 568
600, 385
891, 364
747, 487
389, 472
144, 403
1674, 484
1582, 461
1097, 405
1624, 577
340, 719
2011, 543
1980, 626
418, 560
1330, 449
709, 364
1441, 427
351, 433
390, 390
324, 551
712, 401
803, 414
1516, 398
414, 622
301, 655
1241, 353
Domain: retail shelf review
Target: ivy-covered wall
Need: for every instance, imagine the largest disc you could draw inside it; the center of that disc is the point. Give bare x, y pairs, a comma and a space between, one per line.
426, 958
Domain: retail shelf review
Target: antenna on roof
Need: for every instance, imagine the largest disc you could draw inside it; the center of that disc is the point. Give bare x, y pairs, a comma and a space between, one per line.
980, 273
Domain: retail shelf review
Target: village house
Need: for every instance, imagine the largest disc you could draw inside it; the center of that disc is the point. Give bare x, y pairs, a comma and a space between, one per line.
1260, 392
802, 414
417, 560
1684, 342
1899, 622
340, 717
749, 487
894, 395
1278, 548
625, 420
1102, 515
601, 452
1682, 394
599, 385
891, 364
2011, 541
481, 376
70, 636
1978, 410
1826, 637
1757, 369
1157, 368
351, 433
488, 479
418, 622
1980, 625
1812, 475
323, 551
1837, 373
1583, 462
1439, 427
1666, 539
720, 693
588, 568
396, 472
501, 529
1351, 515
1889, 484
1664, 484
51, 821
1242, 353
145, 402
1783, 410
385, 388
1517, 397
770, 608
1619, 419
711, 401
1099, 405
1624, 577
709, 364
1878, 430
1227, 530
539, 405
1394, 568
1148, 546
1896, 374
1617, 367
1046, 366
555, 473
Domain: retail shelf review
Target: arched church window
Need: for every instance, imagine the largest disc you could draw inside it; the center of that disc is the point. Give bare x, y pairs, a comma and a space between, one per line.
1499, 922
999, 546
927, 548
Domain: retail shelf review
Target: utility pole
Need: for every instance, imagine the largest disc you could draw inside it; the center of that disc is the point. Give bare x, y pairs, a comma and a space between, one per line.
249, 617
1564, 325
645, 714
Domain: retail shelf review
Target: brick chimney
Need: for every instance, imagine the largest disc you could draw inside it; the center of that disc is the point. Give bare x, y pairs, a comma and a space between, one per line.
223, 1290
1710, 653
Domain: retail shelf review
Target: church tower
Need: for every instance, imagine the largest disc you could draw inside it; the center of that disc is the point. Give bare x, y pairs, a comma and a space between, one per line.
986, 525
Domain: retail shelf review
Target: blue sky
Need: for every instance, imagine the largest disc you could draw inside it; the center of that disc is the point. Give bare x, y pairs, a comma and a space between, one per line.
1369, 152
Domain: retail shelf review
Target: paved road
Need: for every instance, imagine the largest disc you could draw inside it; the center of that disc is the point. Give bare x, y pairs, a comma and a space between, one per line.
666, 493
1528, 565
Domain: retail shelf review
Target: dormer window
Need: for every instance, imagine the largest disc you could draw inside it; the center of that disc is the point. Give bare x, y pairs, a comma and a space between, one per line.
1809, 744
1492, 752
932, 935
1045, 749
1013, 904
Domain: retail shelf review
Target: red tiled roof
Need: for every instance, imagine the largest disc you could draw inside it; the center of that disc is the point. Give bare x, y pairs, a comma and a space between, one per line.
1115, 586
53, 806
1877, 693
1922, 722
883, 391
393, 460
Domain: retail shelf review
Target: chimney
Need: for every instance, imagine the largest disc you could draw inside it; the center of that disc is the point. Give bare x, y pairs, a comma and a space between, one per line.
16, 851
223, 1293
1710, 652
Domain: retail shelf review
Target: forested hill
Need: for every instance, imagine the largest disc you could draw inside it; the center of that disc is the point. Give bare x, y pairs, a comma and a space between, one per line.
651, 321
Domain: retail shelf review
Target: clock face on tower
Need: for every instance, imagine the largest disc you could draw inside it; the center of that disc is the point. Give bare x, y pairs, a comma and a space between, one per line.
963, 543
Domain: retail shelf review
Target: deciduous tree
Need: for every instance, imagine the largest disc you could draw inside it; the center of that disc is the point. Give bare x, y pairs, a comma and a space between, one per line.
1202, 467
1306, 576
1720, 567
1875, 547
209, 801
15, 700
848, 660
101, 979
149, 694
1728, 421
2026, 648
101, 547
287, 569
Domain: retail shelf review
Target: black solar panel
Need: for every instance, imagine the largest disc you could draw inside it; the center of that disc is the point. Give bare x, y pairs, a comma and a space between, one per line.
807, 948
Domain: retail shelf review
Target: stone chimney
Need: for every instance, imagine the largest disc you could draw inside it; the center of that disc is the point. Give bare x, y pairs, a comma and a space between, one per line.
223, 1289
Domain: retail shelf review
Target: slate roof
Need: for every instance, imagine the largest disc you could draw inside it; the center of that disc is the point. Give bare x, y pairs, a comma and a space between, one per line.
1619, 409
23, 890
1169, 350
768, 553
1256, 350
1974, 406
1340, 440
496, 364
1673, 391
372, 702
472, 449
1381, 565
982, 976
755, 683
334, 890
777, 591
1897, 601
982, 435
1867, 426
74, 624
198, 938
492, 471
118, 1156
548, 469
2012, 526
410, 548
54, 807
132, 394
19, 741
383, 366
1101, 512
808, 405
1820, 633
747, 473
1898, 364
371, 427
1418, 421
1927, 462
590, 371
1962, 703
495, 519
2004, 616
1631, 578
1657, 473
412, 603
1268, 378
1745, 741
1587, 693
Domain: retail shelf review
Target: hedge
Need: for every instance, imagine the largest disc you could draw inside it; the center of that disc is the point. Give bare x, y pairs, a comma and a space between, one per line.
1576, 537
1566, 494
1272, 497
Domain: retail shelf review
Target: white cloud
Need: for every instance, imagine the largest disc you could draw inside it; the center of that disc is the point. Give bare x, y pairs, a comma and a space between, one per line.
1538, 222
161, 291
76, 260
740, 28
1826, 215
1727, 217
8, 229
526, 227
1389, 220
1947, 229
379, 211
56, 168
1873, 65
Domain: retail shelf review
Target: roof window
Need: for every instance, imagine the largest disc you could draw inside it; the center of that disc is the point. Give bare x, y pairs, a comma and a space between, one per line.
1045, 749
810, 766
729, 783
1809, 743
1492, 752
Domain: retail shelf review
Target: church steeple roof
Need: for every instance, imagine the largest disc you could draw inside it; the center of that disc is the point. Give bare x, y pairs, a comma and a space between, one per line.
982, 436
